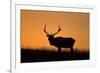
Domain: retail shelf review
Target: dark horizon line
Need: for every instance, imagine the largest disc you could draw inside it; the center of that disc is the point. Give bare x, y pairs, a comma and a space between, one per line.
44, 48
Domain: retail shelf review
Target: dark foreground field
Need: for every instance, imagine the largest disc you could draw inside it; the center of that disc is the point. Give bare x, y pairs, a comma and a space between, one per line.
28, 55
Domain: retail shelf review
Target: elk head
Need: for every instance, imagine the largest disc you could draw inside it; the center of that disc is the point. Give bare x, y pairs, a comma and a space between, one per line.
51, 37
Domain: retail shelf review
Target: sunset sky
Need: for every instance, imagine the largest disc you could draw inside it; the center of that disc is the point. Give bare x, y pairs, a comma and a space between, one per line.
73, 24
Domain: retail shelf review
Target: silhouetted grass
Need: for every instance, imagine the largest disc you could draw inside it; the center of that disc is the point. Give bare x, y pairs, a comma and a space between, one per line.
29, 55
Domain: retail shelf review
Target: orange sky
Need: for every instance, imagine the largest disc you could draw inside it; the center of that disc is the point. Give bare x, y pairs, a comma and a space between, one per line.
73, 24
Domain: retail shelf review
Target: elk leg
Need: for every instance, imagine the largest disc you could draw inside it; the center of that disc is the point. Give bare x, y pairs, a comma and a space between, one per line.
71, 49
59, 49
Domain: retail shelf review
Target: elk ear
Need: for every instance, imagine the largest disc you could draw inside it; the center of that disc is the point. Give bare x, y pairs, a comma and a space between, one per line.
47, 35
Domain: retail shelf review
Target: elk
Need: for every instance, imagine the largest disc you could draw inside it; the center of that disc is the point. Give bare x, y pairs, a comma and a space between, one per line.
60, 42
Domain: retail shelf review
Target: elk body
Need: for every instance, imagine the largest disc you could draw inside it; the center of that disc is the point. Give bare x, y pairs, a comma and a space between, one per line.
60, 42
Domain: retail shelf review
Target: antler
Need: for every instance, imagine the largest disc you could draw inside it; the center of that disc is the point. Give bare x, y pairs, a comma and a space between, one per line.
58, 30
45, 30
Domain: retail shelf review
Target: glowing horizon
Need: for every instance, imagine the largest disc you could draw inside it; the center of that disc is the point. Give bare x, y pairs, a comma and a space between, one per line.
73, 24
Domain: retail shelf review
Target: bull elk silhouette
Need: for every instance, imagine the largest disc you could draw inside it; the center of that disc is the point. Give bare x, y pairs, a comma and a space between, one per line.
60, 42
